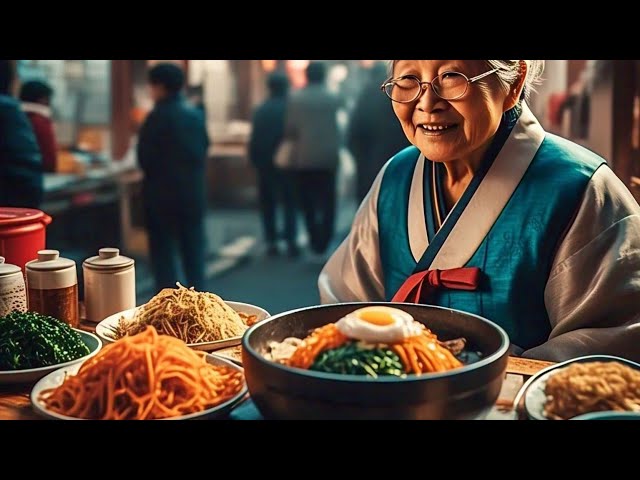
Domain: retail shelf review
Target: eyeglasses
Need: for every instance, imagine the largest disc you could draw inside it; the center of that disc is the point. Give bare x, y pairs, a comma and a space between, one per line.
447, 85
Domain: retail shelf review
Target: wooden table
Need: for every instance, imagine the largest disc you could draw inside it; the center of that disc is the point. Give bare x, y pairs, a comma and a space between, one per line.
16, 405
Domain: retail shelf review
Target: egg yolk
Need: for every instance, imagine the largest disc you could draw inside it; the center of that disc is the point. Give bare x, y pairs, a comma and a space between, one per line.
376, 317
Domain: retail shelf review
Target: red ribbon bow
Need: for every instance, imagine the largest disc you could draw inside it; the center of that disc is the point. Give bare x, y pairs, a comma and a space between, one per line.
411, 291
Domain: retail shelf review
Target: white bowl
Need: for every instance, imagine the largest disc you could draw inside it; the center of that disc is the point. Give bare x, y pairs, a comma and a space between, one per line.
104, 328
32, 374
56, 378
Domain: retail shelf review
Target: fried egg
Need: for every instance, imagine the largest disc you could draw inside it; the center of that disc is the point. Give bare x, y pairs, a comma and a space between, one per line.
378, 324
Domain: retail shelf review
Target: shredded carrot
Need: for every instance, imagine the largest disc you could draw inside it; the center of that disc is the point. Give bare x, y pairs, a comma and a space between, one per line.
399, 349
423, 354
146, 376
323, 338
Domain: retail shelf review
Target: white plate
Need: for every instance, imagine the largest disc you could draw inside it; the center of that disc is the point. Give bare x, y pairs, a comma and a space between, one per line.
56, 378
535, 398
103, 328
33, 374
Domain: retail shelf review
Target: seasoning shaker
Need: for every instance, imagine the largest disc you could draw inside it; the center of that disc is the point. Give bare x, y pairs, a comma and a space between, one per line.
13, 295
52, 286
109, 284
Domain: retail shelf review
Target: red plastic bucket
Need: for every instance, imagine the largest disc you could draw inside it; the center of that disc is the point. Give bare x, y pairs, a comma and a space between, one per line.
22, 234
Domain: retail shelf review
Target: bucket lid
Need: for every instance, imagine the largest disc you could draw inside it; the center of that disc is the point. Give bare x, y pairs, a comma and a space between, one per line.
108, 259
7, 268
49, 260
16, 216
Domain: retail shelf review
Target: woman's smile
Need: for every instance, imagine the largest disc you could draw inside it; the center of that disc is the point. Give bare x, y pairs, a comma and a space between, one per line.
437, 130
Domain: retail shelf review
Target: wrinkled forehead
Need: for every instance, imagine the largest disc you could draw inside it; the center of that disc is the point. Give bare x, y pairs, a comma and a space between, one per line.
433, 67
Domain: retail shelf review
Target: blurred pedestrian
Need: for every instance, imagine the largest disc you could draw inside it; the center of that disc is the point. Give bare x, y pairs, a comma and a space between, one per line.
172, 151
374, 134
266, 135
35, 96
312, 126
20, 158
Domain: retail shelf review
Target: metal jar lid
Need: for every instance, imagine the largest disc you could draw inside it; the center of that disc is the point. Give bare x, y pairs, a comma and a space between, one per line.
7, 268
108, 259
49, 260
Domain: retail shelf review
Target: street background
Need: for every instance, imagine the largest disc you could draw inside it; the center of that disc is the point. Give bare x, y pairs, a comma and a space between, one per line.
94, 195
238, 268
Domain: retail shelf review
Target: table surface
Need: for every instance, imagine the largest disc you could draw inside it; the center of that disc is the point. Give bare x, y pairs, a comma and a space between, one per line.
16, 405
115, 172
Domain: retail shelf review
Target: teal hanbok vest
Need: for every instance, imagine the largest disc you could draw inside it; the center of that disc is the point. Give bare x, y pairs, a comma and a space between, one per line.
515, 257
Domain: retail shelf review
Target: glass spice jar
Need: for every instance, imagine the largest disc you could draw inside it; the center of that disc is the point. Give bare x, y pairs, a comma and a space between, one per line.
52, 287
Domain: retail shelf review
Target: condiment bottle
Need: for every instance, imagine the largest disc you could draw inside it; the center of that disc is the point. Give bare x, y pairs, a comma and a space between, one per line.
13, 295
109, 284
52, 284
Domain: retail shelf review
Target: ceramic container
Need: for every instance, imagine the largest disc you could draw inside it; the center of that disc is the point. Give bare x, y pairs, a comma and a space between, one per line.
13, 294
109, 284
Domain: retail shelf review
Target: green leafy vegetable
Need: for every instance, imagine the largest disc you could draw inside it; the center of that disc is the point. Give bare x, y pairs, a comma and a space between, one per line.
32, 340
354, 358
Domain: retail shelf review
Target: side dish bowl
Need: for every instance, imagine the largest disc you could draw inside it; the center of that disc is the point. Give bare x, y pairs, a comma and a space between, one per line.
31, 375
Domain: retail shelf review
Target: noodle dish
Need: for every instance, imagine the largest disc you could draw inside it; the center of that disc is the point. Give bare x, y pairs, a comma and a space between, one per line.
582, 386
202, 320
142, 377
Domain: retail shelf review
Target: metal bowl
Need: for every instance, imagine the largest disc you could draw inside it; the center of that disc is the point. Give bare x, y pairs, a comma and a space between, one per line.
281, 392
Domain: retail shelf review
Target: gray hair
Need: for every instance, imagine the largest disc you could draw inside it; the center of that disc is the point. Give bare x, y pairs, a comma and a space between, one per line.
509, 73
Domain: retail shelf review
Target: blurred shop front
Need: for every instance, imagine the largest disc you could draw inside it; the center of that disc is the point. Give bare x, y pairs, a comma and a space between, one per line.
98, 107
229, 91
596, 103
89, 192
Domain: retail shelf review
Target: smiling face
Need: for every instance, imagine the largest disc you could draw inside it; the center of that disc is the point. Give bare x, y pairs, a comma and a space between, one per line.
450, 130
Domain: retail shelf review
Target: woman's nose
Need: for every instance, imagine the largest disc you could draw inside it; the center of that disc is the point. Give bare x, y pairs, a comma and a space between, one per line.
424, 86
428, 99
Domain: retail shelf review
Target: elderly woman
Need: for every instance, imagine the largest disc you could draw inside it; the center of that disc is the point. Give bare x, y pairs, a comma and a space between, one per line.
489, 214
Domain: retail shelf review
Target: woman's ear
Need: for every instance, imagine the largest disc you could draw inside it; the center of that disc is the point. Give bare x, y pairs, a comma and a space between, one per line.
515, 91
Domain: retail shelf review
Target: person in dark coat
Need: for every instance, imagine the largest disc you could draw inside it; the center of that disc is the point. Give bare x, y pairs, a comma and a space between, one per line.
374, 134
20, 159
267, 133
35, 96
172, 151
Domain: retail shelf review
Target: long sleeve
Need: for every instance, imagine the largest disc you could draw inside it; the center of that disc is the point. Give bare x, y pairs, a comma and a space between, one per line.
192, 137
358, 129
253, 147
149, 147
291, 118
354, 272
43, 128
593, 293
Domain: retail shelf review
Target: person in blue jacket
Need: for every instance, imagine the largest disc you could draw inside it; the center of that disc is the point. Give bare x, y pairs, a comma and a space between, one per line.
21, 181
172, 151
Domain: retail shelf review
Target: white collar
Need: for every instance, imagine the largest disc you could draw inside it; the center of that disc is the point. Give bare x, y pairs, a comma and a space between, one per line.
30, 107
486, 204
